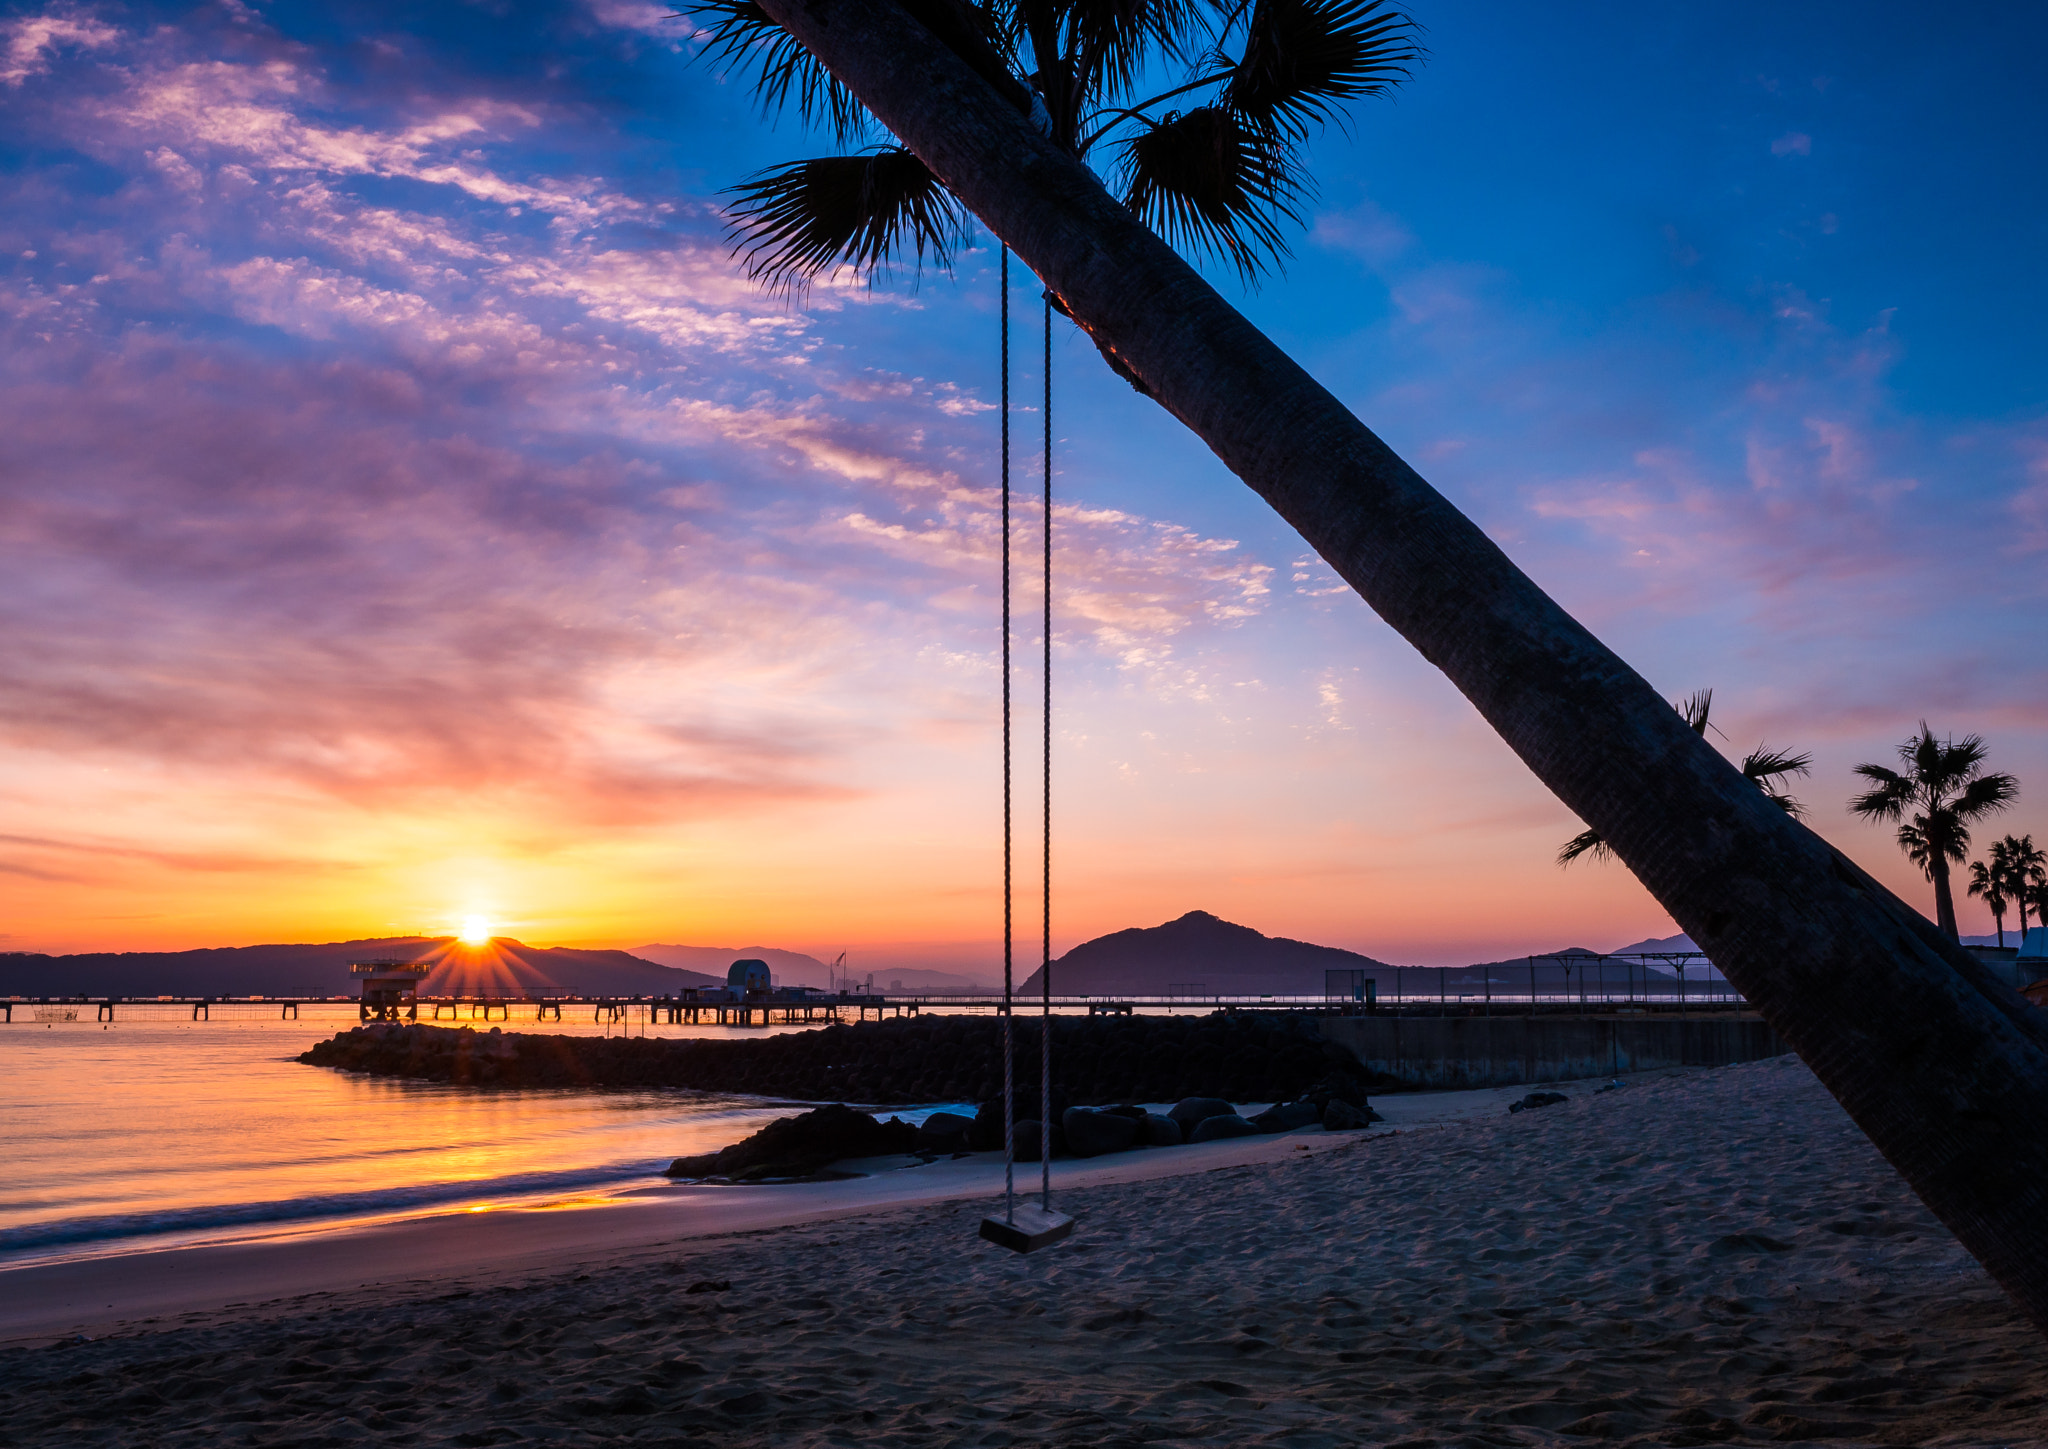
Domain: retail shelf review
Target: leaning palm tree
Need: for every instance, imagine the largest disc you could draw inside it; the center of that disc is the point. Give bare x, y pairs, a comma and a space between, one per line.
1988, 882
1763, 768
1944, 1066
1945, 788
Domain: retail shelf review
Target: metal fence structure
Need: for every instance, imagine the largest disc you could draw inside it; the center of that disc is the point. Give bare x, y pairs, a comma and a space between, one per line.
1582, 979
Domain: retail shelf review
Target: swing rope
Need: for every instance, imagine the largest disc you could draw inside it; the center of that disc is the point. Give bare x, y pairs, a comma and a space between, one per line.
1009, 1016
1045, 868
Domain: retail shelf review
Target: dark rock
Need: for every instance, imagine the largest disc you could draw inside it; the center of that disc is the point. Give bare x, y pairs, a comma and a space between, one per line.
985, 1132
709, 1285
801, 1146
1162, 1131
1537, 1099
1091, 1133
1214, 1129
1245, 1055
1339, 1085
1287, 1116
1136, 1114
1027, 1140
1189, 1111
1341, 1116
944, 1132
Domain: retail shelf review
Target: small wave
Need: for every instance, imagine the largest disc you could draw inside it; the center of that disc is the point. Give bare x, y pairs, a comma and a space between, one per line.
42, 1238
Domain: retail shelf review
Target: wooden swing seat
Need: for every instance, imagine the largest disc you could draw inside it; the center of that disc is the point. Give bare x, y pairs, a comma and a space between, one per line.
1030, 1227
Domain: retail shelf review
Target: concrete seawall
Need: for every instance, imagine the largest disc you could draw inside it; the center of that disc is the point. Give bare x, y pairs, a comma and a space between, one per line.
1451, 1052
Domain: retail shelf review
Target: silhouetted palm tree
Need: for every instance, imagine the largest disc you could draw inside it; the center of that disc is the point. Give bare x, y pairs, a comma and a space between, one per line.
1761, 767
1945, 787
1219, 174
1989, 882
1942, 1064
2026, 876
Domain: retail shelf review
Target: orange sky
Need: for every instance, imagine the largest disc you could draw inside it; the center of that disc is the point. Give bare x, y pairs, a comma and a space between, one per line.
1308, 816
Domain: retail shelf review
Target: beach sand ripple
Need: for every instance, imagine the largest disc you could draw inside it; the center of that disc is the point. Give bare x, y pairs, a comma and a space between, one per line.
1700, 1258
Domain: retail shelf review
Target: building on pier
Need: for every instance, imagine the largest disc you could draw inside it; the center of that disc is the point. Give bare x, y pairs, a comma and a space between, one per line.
390, 988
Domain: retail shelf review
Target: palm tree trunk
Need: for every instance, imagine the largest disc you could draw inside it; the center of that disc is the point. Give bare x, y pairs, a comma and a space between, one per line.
1943, 1066
1944, 900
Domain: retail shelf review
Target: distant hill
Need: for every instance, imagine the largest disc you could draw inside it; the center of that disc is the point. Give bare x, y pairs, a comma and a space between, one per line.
1680, 942
322, 970
1198, 954
789, 968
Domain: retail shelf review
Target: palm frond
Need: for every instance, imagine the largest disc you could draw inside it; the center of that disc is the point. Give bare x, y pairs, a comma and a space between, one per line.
1203, 179
795, 221
1112, 41
1761, 764
1943, 764
1304, 60
740, 35
1984, 794
1586, 842
1763, 768
1695, 710
1891, 792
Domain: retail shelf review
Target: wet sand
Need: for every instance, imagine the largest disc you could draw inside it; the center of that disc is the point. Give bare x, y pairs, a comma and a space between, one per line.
1709, 1257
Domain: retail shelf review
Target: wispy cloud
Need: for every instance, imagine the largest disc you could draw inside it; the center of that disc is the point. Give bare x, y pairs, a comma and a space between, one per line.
32, 39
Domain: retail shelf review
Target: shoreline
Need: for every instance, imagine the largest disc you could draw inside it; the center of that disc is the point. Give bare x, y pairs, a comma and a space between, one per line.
150, 1287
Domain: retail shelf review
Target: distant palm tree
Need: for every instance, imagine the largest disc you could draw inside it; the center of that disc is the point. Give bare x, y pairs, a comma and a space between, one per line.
1989, 881
1761, 767
1945, 787
2026, 876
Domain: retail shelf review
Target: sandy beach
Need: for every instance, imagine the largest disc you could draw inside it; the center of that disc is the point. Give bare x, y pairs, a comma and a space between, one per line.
1698, 1257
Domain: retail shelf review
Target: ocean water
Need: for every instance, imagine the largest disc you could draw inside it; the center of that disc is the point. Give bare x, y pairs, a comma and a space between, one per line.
159, 1130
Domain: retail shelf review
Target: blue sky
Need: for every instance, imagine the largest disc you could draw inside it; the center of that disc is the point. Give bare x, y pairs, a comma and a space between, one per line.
412, 513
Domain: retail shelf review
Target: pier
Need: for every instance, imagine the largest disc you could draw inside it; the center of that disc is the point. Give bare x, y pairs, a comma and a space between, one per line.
1560, 985
821, 1009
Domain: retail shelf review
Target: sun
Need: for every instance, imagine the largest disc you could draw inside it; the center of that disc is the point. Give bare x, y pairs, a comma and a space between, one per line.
476, 931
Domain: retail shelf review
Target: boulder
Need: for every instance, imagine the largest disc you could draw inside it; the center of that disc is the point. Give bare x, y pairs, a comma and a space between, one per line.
944, 1132
1136, 1114
1162, 1131
1287, 1116
1027, 1140
801, 1146
1537, 1099
985, 1132
1341, 1116
1214, 1129
1091, 1133
1188, 1111
1338, 1085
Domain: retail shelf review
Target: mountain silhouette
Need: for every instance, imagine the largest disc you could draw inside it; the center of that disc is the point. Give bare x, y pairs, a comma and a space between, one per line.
503, 966
790, 968
1199, 954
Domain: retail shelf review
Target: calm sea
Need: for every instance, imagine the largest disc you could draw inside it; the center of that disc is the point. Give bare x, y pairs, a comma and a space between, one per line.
150, 1132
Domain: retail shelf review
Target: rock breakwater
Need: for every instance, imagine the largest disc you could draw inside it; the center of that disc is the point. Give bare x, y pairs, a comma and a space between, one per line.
1237, 1056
